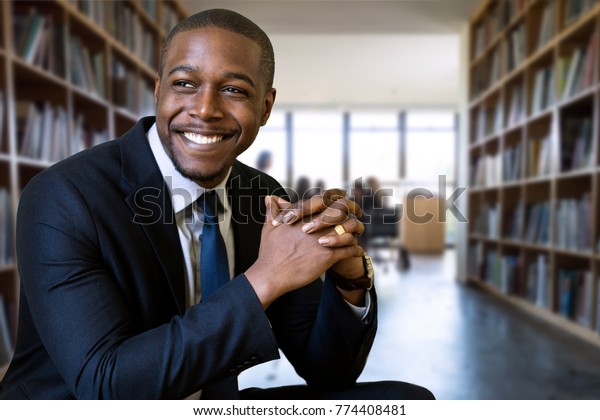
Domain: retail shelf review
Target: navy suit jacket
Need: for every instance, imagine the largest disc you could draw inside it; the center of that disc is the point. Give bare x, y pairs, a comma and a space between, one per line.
102, 305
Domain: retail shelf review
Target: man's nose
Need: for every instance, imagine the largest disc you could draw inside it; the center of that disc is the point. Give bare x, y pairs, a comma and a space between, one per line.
207, 104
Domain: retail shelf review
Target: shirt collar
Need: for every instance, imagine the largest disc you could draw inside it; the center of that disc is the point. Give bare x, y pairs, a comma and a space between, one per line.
183, 191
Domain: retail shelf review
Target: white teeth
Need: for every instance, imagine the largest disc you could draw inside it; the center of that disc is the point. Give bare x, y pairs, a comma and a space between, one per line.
199, 139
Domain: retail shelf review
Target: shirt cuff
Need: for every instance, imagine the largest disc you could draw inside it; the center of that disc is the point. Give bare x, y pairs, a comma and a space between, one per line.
361, 312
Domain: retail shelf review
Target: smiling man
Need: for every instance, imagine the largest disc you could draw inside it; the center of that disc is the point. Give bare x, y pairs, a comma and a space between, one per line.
132, 286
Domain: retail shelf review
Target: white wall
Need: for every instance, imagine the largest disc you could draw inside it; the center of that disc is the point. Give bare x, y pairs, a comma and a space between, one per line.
381, 70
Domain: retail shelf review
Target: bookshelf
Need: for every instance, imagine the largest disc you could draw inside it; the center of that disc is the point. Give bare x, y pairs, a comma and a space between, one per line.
534, 158
73, 73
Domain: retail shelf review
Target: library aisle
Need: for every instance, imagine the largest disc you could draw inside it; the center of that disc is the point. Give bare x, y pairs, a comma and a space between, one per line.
462, 343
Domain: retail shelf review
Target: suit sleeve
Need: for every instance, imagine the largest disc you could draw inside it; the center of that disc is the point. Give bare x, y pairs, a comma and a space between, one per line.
84, 319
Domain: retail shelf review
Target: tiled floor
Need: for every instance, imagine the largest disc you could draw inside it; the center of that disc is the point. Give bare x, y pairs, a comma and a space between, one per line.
461, 343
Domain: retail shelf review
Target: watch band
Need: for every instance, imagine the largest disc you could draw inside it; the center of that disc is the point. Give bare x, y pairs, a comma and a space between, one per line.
361, 283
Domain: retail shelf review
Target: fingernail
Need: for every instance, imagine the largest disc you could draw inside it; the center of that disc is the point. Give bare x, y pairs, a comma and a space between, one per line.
289, 217
324, 240
307, 227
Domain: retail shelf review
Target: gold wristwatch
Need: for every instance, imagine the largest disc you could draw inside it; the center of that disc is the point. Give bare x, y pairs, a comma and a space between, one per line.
365, 282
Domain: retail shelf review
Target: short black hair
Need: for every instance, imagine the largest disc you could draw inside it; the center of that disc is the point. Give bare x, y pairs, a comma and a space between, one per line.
231, 21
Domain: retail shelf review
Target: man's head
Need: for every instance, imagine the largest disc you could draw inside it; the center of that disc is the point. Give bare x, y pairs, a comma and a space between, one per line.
213, 92
233, 22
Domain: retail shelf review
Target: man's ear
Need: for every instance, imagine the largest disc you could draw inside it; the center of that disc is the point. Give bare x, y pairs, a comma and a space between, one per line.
156, 89
269, 101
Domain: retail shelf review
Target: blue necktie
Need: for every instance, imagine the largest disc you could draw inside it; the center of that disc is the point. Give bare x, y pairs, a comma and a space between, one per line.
214, 269
214, 273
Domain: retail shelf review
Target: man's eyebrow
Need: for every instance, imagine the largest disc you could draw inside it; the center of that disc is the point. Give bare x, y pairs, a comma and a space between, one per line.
241, 76
183, 68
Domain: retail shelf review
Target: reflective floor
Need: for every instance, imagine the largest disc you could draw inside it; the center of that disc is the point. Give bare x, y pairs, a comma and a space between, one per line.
461, 343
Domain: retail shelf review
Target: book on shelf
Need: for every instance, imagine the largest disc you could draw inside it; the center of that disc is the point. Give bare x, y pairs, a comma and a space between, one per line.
516, 111
487, 222
511, 163
6, 347
147, 106
537, 287
513, 222
576, 143
510, 267
44, 132
6, 228
543, 89
94, 10
598, 301
495, 72
479, 44
84, 136
39, 40
573, 223
577, 69
574, 295
1, 118
538, 218
538, 157
87, 69
576, 8
516, 47
476, 260
546, 29
513, 8
124, 82
170, 18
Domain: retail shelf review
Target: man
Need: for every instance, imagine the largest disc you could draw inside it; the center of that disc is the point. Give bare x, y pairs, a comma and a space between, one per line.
117, 300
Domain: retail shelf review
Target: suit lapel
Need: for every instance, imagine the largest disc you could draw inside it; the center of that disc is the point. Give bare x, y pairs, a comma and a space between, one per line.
150, 203
248, 214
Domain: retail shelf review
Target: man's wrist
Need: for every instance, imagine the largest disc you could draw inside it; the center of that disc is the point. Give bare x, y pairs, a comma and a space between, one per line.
362, 283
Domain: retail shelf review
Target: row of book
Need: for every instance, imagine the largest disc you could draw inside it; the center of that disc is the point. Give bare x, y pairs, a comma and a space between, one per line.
575, 295
516, 107
87, 68
575, 8
6, 347
576, 143
489, 120
513, 222
546, 29
485, 171
39, 40
6, 228
511, 163
127, 27
574, 286
516, 48
124, 82
2, 107
487, 221
543, 90
93, 9
46, 133
538, 157
497, 18
577, 69
538, 223
573, 223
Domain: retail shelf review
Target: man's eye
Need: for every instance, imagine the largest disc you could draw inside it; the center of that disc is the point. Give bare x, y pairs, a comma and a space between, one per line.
183, 83
234, 90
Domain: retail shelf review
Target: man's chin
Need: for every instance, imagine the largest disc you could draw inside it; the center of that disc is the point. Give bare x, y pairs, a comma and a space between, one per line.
206, 179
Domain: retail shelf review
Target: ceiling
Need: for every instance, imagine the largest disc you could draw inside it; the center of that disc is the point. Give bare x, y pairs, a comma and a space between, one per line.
349, 16
347, 53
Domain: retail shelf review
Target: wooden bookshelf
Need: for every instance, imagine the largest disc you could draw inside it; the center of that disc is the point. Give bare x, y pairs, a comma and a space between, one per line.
534, 153
73, 73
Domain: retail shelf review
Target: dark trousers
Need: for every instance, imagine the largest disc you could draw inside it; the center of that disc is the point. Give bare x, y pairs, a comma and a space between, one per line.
385, 390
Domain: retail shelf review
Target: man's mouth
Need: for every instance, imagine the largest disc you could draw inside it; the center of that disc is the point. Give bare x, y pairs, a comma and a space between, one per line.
200, 139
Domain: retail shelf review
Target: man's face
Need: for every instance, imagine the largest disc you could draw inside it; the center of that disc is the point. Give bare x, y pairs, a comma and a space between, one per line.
210, 101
